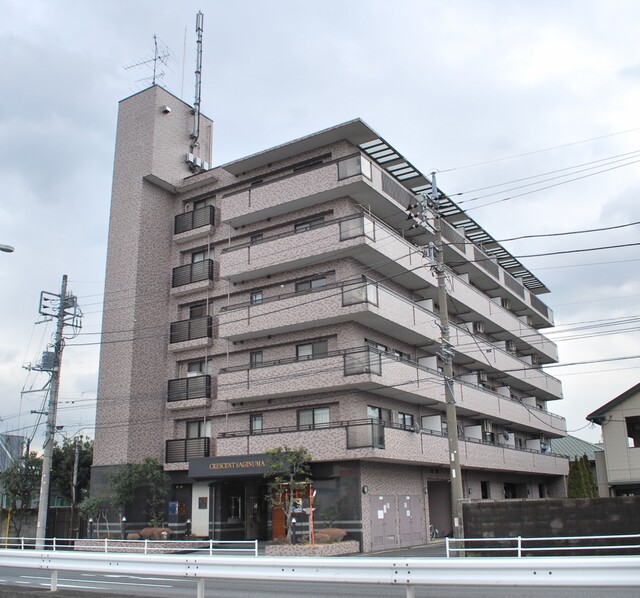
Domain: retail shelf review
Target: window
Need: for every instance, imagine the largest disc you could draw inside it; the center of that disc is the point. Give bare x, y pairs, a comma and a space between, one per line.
199, 429
379, 414
405, 420
401, 355
313, 418
256, 423
255, 359
257, 238
306, 225
197, 310
198, 256
202, 203
633, 430
199, 368
310, 284
311, 350
256, 297
375, 345
485, 490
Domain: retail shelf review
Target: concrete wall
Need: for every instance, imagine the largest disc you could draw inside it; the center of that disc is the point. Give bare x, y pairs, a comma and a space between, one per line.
553, 517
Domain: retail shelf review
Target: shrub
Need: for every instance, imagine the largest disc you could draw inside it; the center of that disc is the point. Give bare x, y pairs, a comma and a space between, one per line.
155, 533
329, 535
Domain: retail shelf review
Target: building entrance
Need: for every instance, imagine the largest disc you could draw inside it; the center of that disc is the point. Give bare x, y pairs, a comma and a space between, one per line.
241, 510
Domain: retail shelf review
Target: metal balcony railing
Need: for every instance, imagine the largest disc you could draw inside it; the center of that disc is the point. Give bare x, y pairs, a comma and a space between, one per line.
187, 330
183, 449
194, 272
196, 387
194, 219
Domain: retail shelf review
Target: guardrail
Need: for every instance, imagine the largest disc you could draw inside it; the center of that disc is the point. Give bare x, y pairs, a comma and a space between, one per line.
115, 546
523, 546
596, 572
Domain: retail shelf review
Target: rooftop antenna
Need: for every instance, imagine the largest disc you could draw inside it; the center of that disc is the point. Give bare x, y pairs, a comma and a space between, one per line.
195, 162
196, 102
160, 55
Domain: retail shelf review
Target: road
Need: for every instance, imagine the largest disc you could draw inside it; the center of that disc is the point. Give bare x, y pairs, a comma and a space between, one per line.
27, 583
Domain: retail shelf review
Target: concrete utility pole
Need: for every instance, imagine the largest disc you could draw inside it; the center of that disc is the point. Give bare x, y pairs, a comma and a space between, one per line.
436, 255
52, 411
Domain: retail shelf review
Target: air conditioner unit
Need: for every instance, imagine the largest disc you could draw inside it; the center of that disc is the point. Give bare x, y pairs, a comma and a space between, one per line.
510, 346
478, 327
482, 378
505, 302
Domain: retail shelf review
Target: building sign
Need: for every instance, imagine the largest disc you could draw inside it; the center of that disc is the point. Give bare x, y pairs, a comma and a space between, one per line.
228, 467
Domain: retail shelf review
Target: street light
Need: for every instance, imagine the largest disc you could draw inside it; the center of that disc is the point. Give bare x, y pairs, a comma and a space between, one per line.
6, 248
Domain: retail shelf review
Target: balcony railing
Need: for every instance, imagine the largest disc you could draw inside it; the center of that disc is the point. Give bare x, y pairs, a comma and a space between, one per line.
183, 449
183, 389
365, 435
188, 330
194, 272
194, 219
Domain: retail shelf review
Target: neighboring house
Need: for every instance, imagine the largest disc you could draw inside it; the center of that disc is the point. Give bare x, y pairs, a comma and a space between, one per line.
619, 465
287, 299
576, 448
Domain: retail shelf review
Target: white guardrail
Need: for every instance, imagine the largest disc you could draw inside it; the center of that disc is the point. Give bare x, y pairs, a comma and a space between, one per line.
528, 546
543, 572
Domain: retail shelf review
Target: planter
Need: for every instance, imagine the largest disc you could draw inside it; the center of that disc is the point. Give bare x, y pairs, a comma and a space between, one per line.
335, 549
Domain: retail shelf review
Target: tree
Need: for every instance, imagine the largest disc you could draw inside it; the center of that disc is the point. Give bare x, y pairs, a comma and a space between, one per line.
580, 480
146, 477
289, 475
591, 490
71, 472
21, 482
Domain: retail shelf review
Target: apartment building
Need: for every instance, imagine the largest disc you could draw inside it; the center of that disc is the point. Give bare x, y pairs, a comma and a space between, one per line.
284, 299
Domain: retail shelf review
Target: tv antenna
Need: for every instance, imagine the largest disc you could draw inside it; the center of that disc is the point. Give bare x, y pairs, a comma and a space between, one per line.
161, 55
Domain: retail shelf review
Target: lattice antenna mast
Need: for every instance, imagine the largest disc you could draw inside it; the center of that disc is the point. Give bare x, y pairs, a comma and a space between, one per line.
196, 103
160, 55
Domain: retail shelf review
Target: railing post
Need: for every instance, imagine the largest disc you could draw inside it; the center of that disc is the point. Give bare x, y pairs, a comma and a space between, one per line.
211, 547
255, 552
519, 538
105, 545
54, 580
201, 587
447, 546
146, 545
411, 592
22, 543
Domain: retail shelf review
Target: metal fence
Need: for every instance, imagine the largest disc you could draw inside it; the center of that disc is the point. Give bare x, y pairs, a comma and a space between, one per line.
525, 547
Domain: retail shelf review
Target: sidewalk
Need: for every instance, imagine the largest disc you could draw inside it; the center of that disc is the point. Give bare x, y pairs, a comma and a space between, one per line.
437, 548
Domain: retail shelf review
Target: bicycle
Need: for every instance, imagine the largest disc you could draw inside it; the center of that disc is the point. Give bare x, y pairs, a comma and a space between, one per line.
433, 532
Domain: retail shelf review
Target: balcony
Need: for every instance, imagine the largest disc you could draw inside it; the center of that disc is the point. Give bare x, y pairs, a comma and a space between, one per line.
195, 224
373, 440
380, 308
183, 449
186, 389
192, 277
191, 334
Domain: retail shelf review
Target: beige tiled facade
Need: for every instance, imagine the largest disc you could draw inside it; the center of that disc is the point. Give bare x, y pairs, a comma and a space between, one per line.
287, 285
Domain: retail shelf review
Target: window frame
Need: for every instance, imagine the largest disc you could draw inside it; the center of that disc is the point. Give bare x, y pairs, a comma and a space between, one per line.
301, 285
256, 359
314, 411
308, 224
253, 418
315, 353
256, 297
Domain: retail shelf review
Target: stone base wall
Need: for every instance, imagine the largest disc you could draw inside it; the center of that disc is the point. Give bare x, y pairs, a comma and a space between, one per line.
138, 546
337, 549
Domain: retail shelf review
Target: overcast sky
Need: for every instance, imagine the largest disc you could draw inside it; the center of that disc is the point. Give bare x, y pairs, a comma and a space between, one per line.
449, 84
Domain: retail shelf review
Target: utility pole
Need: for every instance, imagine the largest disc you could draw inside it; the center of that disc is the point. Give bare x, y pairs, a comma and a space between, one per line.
435, 254
61, 314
